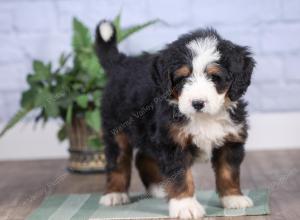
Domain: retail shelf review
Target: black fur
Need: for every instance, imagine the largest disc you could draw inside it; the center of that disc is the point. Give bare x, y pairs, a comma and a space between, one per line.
240, 64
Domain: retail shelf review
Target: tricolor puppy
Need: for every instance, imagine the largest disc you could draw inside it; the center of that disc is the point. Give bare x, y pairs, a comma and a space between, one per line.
175, 106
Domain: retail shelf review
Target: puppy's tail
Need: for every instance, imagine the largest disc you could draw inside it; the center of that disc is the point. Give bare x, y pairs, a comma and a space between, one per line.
106, 44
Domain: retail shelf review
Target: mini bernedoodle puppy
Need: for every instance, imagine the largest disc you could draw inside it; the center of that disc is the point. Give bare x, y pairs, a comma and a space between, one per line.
175, 106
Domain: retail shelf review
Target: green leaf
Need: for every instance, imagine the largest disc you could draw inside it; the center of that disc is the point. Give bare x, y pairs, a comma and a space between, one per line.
62, 133
117, 24
51, 109
117, 20
69, 114
97, 95
102, 78
41, 72
82, 101
93, 119
40, 67
44, 96
90, 65
77, 86
81, 36
63, 59
28, 98
131, 30
15, 119
48, 102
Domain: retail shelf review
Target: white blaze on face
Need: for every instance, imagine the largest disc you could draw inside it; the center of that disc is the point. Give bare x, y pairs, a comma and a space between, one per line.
198, 86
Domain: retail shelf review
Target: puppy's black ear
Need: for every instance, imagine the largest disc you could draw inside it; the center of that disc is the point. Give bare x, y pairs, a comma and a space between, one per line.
161, 76
240, 65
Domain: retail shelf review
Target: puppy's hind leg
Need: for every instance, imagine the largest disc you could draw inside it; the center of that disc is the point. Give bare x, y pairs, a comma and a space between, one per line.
150, 175
118, 155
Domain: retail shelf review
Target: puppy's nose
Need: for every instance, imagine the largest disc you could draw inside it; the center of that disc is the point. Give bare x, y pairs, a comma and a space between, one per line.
198, 104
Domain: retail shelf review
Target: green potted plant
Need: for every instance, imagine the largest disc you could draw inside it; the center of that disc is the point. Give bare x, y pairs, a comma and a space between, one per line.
72, 93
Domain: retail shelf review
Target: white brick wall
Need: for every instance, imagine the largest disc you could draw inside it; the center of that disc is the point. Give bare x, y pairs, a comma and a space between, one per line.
42, 29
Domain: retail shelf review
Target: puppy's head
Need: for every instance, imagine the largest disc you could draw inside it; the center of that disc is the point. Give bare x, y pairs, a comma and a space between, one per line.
202, 70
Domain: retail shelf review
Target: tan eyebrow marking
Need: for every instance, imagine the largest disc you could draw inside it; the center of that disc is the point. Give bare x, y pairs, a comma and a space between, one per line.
183, 71
213, 69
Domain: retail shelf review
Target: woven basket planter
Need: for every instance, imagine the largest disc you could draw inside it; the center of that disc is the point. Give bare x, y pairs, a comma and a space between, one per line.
83, 159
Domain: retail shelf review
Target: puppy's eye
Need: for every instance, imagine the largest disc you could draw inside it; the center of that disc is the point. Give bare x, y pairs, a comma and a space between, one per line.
179, 79
216, 78
180, 75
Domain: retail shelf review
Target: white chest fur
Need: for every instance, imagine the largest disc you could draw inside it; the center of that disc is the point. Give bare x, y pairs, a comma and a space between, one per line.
208, 131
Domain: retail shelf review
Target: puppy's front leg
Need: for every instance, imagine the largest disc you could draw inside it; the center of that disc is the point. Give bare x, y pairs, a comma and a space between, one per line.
180, 188
226, 163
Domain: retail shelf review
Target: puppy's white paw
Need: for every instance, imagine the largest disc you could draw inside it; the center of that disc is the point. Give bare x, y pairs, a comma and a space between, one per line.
157, 191
106, 30
112, 199
186, 208
236, 202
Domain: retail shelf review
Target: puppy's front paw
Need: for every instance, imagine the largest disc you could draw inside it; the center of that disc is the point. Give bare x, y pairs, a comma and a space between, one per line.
186, 208
112, 199
236, 202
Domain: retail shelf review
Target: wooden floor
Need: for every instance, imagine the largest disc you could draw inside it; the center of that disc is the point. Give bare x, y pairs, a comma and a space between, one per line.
24, 184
